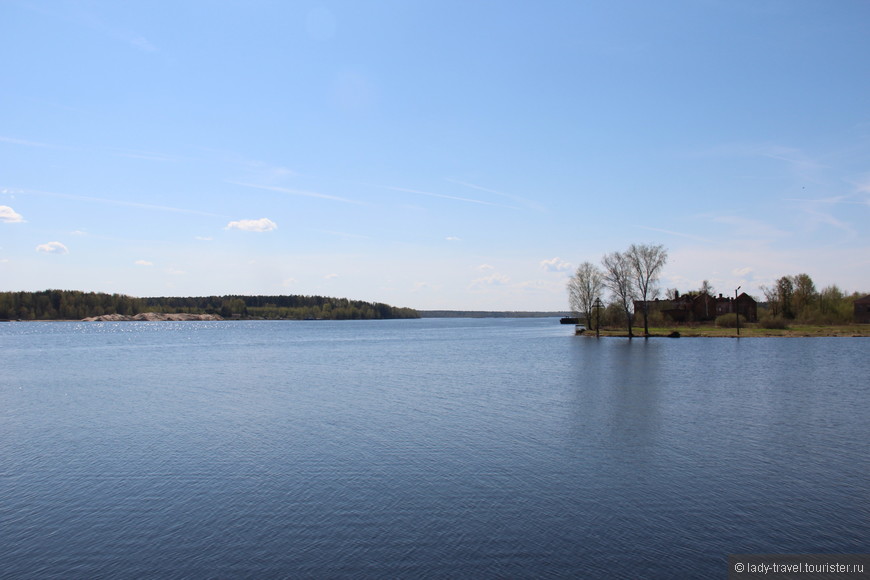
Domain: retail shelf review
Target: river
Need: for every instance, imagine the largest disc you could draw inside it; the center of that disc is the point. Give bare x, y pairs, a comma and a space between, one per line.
433, 448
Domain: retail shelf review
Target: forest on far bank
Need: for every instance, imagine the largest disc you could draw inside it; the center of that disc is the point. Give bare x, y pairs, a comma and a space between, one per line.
76, 305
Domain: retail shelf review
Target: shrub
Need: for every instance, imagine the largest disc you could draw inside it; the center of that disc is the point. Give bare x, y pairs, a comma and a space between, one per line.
729, 320
656, 318
774, 323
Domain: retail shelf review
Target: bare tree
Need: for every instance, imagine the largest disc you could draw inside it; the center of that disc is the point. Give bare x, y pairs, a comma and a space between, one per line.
706, 291
706, 288
771, 295
619, 279
646, 263
583, 288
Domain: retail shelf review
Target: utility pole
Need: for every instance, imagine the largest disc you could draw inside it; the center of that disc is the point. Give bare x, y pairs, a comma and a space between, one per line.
597, 317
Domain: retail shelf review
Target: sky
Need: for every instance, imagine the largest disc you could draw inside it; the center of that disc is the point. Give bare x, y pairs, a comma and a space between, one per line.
434, 155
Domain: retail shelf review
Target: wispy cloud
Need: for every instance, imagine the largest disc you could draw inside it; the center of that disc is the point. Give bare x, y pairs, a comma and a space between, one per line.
9, 215
672, 233
117, 202
143, 263
421, 286
52, 248
145, 156
815, 217
443, 196
833, 200
344, 234
495, 279
115, 32
453, 239
137, 41
260, 225
749, 228
792, 156
516, 198
23, 142
797, 162
299, 192
555, 265
267, 171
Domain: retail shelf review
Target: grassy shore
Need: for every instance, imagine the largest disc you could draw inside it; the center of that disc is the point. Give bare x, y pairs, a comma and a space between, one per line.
750, 330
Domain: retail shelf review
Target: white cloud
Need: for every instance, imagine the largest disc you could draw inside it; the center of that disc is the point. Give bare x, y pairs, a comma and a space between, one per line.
9, 215
491, 280
555, 265
741, 271
52, 248
204, 238
330, 277
485, 267
260, 225
420, 286
143, 263
453, 239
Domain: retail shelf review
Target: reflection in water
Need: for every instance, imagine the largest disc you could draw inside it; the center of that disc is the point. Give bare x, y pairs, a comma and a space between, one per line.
617, 386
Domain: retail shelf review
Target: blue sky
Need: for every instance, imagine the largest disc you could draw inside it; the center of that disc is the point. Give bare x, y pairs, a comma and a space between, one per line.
463, 155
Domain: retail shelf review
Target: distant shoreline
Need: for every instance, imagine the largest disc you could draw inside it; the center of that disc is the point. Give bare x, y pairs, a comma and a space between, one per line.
489, 314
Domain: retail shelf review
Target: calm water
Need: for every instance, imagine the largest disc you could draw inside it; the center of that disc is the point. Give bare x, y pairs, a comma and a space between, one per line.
422, 448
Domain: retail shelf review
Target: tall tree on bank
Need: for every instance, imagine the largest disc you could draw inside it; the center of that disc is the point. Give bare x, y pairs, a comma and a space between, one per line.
583, 288
618, 277
805, 294
706, 290
646, 264
785, 293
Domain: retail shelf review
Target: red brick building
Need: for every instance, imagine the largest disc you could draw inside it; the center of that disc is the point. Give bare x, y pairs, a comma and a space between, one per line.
862, 310
702, 307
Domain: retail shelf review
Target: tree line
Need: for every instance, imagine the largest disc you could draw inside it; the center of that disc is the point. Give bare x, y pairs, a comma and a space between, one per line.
75, 305
795, 298
630, 275
634, 274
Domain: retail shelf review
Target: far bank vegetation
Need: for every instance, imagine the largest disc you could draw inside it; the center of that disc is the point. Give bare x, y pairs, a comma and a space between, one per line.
76, 305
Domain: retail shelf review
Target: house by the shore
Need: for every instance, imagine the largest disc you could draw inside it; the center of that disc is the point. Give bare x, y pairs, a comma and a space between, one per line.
702, 307
862, 310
